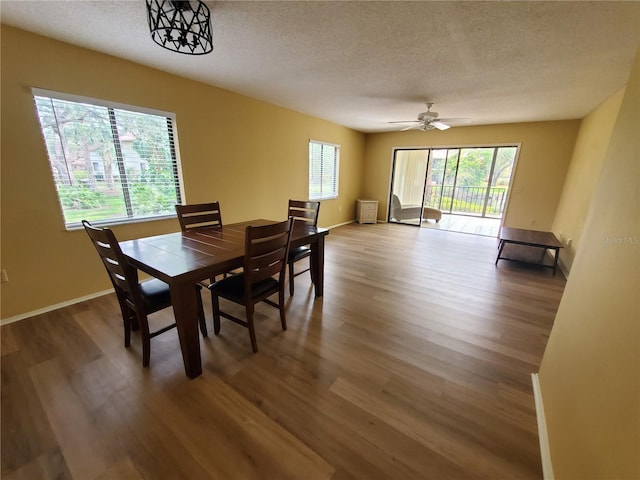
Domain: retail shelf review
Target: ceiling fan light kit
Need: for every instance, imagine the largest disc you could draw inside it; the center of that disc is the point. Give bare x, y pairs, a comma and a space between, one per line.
428, 115
181, 26
429, 121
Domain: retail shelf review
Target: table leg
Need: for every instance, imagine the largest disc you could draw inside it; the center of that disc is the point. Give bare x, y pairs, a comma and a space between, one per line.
555, 260
185, 309
317, 265
502, 242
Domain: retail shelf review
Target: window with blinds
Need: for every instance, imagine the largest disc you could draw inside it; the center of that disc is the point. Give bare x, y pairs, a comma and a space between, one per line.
323, 170
110, 164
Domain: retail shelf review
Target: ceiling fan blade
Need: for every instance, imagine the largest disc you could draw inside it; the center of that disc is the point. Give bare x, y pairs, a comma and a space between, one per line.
454, 120
406, 121
440, 126
410, 128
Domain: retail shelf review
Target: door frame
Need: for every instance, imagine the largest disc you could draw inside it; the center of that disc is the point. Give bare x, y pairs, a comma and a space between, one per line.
507, 204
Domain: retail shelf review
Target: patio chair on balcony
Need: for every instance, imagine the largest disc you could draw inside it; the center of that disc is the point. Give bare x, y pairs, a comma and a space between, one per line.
410, 212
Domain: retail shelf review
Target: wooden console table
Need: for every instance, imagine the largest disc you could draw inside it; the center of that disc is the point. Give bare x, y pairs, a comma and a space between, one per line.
519, 245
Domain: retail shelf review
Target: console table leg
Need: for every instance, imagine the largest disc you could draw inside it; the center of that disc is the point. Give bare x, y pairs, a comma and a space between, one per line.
555, 260
499, 251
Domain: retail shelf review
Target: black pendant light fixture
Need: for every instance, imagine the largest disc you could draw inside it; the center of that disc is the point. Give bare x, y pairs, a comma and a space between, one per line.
181, 26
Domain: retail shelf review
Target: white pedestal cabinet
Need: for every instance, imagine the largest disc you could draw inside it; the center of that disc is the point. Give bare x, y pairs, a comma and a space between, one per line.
366, 211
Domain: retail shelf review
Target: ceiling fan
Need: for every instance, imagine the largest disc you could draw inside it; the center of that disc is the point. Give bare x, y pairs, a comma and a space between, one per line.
429, 121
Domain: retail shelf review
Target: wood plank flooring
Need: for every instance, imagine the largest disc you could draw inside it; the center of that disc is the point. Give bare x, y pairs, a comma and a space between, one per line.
415, 364
489, 227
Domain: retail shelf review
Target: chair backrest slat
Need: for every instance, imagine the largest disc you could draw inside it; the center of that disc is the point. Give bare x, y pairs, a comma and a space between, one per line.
123, 276
200, 215
266, 251
266, 260
304, 211
269, 245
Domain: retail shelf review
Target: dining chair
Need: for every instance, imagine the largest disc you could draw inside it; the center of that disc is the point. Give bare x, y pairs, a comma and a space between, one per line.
137, 299
199, 215
266, 249
307, 212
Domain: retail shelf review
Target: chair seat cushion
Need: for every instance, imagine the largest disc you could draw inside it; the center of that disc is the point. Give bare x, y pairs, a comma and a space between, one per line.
233, 287
431, 213
297, 253
155, 294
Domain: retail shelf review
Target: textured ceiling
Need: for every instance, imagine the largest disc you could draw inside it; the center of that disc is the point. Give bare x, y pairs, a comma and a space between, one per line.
362, 64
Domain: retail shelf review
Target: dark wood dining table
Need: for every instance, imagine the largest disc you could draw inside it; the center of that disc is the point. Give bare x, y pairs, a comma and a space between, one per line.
182, 259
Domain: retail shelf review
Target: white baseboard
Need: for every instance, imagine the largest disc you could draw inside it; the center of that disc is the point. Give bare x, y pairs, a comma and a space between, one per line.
341, 224
50, 308
545, 453
563, 269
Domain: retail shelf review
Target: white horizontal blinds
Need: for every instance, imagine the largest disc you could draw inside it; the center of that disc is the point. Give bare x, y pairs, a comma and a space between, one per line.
109, 164
148, 153
323, 170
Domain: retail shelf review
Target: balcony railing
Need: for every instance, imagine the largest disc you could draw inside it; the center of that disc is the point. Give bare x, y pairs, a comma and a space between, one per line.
467, 200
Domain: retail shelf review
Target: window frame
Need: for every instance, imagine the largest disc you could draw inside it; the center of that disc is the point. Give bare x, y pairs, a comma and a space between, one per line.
111, 105
336, 164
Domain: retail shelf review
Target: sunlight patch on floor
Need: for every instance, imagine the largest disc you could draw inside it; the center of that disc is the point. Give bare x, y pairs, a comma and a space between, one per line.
489, 227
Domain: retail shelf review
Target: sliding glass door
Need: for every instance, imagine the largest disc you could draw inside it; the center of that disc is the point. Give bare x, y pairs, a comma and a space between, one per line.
471, 181
407, 185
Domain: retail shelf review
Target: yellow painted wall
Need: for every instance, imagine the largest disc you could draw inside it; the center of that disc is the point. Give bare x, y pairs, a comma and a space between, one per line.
543, 160
249, 155
590, 372
584, 169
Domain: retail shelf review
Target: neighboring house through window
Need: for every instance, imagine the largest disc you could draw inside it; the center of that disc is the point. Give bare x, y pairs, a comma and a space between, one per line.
323, 170
110, 163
